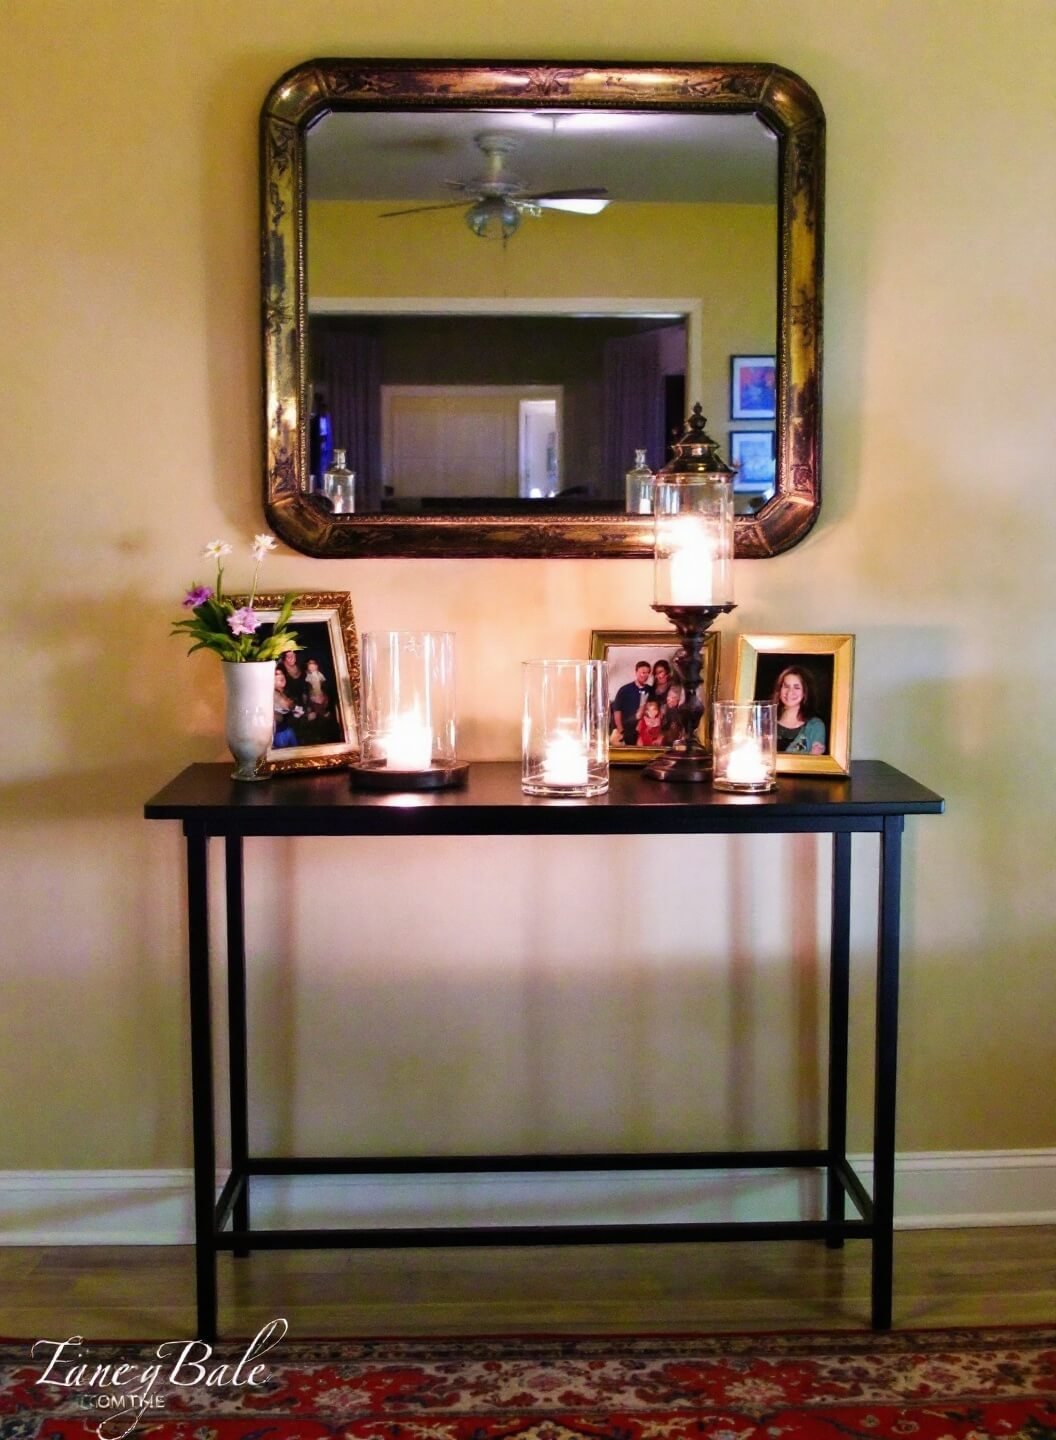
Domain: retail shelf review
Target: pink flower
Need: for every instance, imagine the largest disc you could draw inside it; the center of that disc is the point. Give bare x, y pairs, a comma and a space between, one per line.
243, 622
197, 595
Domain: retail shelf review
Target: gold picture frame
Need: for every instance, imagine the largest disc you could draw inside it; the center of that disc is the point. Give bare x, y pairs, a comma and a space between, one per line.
323, 724
826, 663
652, 647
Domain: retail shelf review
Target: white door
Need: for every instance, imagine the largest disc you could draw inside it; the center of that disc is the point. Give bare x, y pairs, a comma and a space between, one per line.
538, 458
456, 440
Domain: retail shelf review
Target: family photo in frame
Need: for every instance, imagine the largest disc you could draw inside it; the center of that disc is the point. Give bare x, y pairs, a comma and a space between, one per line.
316, 692
808, 679
646, 689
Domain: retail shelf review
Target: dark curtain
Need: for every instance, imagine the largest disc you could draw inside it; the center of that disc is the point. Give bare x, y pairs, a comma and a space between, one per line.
346, 370
634, 407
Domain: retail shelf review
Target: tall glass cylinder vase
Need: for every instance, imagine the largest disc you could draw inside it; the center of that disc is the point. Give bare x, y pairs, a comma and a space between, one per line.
565, 731
408, 718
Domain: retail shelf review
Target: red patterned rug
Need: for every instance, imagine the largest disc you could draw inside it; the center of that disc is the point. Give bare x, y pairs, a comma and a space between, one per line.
922, 1385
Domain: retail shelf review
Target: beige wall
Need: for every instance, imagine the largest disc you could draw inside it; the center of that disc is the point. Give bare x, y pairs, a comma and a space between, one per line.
541, 993
725, 256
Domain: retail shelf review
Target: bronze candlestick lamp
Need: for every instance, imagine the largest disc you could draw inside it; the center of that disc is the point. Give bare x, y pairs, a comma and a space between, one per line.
692, 579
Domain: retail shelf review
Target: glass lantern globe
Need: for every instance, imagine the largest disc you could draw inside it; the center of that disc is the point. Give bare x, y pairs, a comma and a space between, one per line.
494, 217
693, 523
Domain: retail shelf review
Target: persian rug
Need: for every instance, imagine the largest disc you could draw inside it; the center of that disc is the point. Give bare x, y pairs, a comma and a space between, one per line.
970, 1384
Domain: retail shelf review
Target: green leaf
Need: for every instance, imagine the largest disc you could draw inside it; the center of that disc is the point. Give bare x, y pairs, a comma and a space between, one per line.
288, 602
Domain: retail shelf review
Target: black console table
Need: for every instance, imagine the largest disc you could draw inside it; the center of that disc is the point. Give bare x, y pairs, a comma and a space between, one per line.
874, 798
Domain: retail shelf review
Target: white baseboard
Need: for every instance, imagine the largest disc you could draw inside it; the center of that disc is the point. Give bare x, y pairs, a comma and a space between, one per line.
154, 1207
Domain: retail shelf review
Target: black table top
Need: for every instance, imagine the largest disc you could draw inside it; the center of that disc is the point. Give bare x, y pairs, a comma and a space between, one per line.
305, 803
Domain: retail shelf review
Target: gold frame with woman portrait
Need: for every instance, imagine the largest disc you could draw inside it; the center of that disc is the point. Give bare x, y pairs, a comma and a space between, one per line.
760, 658
653, 645
329, 612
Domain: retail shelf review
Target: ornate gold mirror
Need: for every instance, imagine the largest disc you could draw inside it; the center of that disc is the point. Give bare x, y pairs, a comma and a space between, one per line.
491, 283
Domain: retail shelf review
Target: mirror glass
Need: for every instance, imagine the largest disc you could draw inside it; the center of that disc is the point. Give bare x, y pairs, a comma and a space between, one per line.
489, 287
469, 373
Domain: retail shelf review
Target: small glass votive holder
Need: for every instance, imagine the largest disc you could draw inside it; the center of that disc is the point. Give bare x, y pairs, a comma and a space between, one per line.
565, 731
744, 746
407, 723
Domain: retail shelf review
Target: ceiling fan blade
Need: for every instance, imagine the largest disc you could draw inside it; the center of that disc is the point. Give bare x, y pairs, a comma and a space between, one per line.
420, 209
574, 207
585, 192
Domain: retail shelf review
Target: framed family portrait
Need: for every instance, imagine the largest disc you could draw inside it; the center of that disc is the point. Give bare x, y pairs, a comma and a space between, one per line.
808, 678
646, 687
316, 687
753, 387
754, 455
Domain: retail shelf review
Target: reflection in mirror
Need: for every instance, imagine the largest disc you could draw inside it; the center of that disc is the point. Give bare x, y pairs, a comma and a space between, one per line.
492, 285
435, 394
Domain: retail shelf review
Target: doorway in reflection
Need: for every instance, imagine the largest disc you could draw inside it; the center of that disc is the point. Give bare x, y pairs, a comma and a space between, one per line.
439, 413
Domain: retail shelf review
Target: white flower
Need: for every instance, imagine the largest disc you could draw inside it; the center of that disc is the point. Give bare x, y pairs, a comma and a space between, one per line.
262, 544
216, 548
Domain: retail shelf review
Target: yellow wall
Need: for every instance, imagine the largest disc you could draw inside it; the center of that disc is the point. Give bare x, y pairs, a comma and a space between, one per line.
725, 256
540, 993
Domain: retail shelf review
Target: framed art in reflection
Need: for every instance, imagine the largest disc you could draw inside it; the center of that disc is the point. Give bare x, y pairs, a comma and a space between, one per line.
752, 453
753, 387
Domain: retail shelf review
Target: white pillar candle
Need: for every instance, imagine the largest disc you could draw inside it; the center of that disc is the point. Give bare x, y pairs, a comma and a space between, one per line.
408, 744
745, 765
692, 561
565, 762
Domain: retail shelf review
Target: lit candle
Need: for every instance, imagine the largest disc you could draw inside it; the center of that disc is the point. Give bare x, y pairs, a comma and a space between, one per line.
691, 561
408, 743
565, 762
745, 764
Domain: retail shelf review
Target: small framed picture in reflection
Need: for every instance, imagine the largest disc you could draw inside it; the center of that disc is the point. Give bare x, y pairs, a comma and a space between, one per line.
753, 387
753, 455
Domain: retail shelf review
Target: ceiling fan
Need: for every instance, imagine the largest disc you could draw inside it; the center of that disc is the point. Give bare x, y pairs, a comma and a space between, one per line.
499, 197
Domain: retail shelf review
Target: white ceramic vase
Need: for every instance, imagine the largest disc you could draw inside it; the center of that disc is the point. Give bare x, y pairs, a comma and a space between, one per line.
249, 719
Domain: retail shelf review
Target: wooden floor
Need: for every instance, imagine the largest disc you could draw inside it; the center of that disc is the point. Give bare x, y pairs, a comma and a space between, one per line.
942, 1277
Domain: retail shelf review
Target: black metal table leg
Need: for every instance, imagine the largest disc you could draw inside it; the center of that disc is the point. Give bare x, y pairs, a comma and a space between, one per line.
886, 1063
839, 1007
236, 1031
202, 1079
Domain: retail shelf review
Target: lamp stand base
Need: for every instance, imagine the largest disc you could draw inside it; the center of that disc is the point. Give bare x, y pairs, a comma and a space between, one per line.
696, 768
689, 761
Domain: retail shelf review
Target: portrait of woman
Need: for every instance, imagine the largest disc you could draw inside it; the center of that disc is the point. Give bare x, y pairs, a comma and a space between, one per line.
800, 729
807, 679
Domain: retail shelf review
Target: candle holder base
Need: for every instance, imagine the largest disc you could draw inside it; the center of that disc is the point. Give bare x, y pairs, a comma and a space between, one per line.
374, 775
737, 787
549, 790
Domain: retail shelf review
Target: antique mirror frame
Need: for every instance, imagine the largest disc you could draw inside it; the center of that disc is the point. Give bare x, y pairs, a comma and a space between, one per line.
784, 102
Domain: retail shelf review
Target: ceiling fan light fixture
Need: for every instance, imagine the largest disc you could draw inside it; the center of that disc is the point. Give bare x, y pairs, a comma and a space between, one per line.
493, 217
